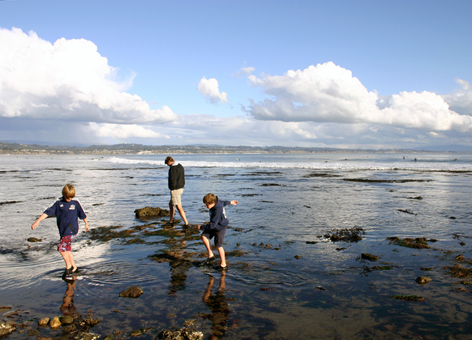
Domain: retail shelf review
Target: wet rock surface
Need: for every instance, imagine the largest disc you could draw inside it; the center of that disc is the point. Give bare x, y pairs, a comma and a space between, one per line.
131, 292
150, 212
6, 328
181, 334
346, 235
423, 280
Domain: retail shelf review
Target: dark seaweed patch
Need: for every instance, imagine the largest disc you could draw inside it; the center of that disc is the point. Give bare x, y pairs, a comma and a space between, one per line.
407, 297
10, 202
366, 180
417, 243
347, 235
317, 174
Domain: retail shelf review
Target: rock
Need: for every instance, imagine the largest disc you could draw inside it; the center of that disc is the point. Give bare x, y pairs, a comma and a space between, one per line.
132, 292
43, 322
422, 280
369, 257
181, 334
86, 336
460, 258
109, 337
67, 320
148, 212
4, 309
6, 328
55, 322
136, 332
34, 239
69, 329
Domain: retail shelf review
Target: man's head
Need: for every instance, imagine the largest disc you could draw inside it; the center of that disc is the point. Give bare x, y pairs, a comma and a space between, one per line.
169, 161
68, 192
210, 200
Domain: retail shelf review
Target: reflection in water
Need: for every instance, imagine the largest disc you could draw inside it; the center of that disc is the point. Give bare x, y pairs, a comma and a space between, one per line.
178, 275
67, 307
219, 315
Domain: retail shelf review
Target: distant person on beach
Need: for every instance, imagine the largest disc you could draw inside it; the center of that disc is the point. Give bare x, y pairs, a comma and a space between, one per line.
176, 187
67, 211
216, 227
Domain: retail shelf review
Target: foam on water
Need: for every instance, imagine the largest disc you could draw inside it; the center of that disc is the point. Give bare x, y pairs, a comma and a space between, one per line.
383, 162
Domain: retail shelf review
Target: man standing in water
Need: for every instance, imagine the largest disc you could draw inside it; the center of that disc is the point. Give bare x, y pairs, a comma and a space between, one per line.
176, 187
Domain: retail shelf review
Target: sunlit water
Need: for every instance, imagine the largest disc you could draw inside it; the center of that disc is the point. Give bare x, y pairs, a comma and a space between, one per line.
283, 287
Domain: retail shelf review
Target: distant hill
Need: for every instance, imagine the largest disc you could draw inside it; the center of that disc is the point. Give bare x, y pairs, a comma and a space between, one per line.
134, 149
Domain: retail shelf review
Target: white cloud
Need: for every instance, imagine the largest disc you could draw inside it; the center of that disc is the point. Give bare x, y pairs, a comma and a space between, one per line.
329, 93
461, 99
66, 80
123, 131
209, 89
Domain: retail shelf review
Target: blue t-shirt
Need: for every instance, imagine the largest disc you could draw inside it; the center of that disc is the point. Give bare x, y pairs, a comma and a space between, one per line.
67, 215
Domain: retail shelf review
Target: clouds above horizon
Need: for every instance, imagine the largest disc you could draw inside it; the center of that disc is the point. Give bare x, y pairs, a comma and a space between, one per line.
210, 90
66, 80
329, 93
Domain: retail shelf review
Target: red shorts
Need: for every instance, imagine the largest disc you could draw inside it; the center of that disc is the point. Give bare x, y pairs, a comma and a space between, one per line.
65, 244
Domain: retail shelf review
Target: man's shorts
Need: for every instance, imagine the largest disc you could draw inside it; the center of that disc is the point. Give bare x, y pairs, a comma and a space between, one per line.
176, 196
65, 244
219, 236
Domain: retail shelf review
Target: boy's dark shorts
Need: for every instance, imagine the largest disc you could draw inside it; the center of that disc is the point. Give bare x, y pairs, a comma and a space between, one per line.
219, 236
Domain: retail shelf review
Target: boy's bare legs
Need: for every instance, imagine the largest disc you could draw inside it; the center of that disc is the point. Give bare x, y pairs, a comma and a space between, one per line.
208, 246
69, 259
221, 251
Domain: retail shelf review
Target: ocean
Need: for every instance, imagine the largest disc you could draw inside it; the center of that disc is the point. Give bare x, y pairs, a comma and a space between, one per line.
287, 277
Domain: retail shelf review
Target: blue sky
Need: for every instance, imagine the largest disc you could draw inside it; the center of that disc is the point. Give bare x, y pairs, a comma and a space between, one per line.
355, 74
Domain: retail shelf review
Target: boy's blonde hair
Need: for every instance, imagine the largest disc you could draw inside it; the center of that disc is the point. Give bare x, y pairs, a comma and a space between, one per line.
168, 160
68, 191
209, 198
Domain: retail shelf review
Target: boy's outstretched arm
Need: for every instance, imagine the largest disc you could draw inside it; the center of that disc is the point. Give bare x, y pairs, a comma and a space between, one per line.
40, 218
234, 202
86, 224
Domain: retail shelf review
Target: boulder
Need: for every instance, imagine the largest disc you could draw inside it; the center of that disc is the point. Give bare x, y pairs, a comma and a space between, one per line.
43, 322
55, 322
422, 280
67, 320
149, 212
6, 328
132, 292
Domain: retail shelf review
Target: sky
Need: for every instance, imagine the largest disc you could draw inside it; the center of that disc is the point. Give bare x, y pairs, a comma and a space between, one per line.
343, 74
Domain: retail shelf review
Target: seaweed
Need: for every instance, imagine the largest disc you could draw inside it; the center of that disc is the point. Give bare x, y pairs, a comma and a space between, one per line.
346, 235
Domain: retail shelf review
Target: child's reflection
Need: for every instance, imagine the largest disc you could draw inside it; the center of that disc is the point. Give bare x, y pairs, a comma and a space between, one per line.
67, 307
219, 307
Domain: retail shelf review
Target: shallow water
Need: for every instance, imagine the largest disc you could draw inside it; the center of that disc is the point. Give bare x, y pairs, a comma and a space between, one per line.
281, 287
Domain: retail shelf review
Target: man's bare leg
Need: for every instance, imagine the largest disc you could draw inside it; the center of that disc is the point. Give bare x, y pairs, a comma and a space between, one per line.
182, 213
172, 212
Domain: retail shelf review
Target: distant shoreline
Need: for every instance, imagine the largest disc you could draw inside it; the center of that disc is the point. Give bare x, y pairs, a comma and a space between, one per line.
138, 149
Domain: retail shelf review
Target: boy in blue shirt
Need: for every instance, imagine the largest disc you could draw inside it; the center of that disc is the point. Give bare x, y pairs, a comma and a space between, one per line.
67, 211
216, 228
